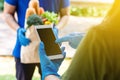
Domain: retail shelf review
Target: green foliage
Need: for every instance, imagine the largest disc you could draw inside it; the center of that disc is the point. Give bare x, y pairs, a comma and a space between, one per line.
7, 77
12, 77
1, 4
88, 11
50, 16
34, 20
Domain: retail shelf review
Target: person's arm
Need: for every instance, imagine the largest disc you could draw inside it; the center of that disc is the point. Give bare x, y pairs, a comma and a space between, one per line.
9, 18
73, 39
64, 17
81, 65
89, 61
9, 12
50, 67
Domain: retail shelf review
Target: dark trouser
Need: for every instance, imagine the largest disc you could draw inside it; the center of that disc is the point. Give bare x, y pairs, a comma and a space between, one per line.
25, 71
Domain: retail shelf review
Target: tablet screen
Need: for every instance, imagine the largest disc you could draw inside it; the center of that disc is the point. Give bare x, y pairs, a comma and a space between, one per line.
47, 36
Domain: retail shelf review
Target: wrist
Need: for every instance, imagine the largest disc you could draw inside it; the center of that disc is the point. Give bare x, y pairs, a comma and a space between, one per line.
17, 28
50, 75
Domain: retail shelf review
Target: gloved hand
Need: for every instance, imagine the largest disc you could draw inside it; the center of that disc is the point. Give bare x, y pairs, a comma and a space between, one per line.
55, 30
73, 39
21, 37
49, 67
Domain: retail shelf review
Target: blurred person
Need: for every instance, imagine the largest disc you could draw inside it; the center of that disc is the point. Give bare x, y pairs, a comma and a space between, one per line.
97, 56
61, 7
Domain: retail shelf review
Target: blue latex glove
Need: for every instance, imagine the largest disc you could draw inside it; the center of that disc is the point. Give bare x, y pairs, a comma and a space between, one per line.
73, 39
21, 37
49, 67
55, 30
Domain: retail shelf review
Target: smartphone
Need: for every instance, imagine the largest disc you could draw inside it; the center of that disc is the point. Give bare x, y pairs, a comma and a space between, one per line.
46, 35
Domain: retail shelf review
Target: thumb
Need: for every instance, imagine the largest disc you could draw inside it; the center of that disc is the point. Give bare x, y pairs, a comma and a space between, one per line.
42, 50
22, 30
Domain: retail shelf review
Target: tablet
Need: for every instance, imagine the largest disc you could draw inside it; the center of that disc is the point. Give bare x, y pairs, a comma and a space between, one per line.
46, 35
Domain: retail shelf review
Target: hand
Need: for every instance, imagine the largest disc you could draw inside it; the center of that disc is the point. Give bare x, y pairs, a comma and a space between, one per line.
49, 67
55, 30
21, 37
73, 39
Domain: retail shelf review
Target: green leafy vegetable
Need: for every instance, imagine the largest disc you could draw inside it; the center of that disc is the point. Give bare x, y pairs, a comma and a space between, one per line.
34, 20
50, 16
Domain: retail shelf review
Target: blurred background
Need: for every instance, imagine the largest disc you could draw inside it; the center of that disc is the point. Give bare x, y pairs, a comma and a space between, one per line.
84, 14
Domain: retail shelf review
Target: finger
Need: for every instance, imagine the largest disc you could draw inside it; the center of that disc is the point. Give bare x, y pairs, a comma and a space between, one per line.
81, 34
25, 42
23, 30
62, 49
77, 34
41, 46
63, 52
63, 39
55, 31
64, 55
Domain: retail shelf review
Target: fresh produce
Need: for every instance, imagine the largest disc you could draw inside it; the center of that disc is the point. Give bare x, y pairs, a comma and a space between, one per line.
40, 11
34, 20
34, 8
34, 4
50, 16
47, 22
29, 12
35, 15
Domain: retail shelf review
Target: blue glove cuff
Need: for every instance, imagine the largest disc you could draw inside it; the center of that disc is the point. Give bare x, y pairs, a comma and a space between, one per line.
50, 73
49, 69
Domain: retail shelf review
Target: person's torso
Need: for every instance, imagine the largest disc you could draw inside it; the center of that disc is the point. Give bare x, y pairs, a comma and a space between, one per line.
48, 5
99, 58
108, 42
112, 47
21, 7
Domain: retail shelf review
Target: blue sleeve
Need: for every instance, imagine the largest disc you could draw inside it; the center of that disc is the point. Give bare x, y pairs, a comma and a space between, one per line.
12, 2
65, 3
